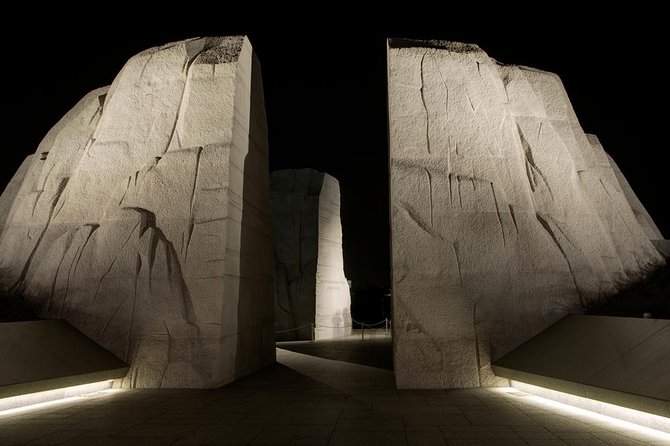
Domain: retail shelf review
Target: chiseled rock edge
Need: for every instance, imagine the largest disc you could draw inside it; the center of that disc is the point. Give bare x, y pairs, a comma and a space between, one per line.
505, 215
139, 213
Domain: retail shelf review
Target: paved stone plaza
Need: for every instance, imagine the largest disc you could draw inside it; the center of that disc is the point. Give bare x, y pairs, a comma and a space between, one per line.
306, 399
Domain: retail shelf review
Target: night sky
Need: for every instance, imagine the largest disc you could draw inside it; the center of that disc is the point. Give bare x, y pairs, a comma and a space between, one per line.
325, 92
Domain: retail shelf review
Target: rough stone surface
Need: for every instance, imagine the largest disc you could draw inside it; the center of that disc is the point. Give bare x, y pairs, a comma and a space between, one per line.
505, 215
310, 286
663, 246
641, 214
143, 219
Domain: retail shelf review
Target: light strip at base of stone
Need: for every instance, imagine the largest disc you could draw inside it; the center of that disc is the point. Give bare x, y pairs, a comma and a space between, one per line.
647, 422
38, 400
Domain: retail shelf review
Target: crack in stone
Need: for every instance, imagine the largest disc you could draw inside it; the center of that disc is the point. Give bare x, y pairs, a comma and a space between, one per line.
430, 195
454, 247
502, 227
52, 204
423, 101
547, 227
531, 167
511, 212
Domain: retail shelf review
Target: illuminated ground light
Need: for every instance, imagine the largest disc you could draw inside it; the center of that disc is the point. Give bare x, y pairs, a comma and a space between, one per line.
610, 414
40, 400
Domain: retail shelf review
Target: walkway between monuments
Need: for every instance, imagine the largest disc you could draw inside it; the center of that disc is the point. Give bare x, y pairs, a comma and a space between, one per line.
306, 399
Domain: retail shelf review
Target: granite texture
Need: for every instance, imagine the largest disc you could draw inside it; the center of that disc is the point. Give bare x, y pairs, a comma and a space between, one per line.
505, 215
142, 219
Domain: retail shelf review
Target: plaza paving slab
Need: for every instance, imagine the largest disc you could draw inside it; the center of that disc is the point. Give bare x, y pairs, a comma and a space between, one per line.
308, 399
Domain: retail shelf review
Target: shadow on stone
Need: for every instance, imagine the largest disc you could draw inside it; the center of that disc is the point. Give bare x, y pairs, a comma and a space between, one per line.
255, 305
14, 307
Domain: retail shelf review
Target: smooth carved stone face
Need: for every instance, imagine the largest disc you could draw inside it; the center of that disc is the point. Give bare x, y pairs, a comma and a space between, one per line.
506, 216
142, 218
310, 286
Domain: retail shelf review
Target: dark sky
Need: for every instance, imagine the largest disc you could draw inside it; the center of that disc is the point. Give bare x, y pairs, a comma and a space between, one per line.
325, 90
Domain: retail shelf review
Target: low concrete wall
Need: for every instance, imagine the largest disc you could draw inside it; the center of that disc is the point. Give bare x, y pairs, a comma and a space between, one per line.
617, 360
44, 355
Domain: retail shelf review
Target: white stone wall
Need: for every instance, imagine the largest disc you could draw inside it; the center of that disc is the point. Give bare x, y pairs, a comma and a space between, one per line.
505, 217
333, 300
310, 286
147, 226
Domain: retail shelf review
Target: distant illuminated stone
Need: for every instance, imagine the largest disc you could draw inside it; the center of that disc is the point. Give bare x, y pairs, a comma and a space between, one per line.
310, 286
